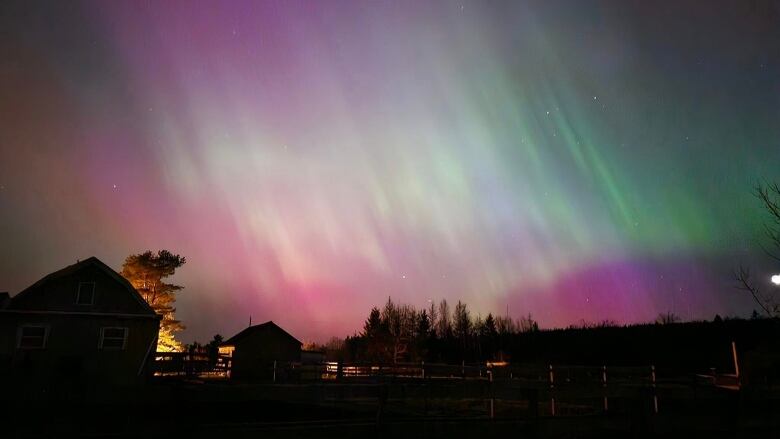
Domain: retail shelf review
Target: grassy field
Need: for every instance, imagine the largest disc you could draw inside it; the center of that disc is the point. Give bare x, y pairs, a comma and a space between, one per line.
394, 407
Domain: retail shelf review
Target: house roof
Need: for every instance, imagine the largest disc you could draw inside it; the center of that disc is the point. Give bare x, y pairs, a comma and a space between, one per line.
255, 329
91, 261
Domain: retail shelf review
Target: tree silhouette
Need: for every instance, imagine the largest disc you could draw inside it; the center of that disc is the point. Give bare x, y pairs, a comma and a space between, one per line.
212, 348
443, 324
667, 318
769, 196
373, 325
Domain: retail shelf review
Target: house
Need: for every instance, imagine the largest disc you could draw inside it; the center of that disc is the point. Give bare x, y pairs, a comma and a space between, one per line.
254, 350
80, 329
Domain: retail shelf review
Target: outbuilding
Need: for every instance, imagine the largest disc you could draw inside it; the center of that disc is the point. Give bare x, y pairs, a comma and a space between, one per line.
260, 351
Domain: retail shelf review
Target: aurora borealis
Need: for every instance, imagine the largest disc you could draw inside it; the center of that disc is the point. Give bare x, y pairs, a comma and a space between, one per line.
576, 160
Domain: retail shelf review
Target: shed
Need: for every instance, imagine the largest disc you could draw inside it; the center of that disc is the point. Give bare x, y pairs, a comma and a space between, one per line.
254, 350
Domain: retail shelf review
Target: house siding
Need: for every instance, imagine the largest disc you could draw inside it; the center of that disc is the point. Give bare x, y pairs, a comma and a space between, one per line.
71, 363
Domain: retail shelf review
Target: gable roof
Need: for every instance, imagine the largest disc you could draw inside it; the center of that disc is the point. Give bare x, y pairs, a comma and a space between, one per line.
255, 329
91, 261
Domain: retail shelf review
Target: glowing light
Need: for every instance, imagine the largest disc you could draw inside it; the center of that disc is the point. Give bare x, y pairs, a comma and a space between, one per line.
776, 279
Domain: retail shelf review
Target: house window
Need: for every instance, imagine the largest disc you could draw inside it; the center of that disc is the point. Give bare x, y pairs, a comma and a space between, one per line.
86, 293
112, 338
33, 337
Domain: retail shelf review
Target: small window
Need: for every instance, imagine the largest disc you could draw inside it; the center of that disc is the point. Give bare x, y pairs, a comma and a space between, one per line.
86, 293
113, 338
33, 337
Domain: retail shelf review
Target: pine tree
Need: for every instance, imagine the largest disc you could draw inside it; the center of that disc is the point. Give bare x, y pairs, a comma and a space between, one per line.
146, 272
373, 325
443, 323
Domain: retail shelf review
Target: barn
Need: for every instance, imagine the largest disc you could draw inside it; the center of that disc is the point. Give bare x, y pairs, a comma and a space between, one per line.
254, 350
77, 331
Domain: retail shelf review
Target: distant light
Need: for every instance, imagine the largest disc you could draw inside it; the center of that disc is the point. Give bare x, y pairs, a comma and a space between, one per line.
776, 279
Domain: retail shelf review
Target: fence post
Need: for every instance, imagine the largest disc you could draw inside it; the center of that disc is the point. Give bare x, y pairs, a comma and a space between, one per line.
492, 398
422, 368
552, 396
463, 368
604, 385
274, 370
655, 393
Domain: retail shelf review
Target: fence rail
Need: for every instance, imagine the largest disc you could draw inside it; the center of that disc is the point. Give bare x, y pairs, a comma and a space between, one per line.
488, 390
191, 364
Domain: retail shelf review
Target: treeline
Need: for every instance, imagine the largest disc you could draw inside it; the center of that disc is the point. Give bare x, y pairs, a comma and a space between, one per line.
400, 332
444, 334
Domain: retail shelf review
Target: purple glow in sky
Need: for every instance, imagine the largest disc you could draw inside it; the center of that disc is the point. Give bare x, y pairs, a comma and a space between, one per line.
575, 160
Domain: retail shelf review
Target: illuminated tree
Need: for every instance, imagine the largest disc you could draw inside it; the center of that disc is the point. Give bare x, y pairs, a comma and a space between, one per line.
146, 272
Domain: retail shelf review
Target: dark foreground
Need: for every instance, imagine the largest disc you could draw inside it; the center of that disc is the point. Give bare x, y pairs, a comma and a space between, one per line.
398, 408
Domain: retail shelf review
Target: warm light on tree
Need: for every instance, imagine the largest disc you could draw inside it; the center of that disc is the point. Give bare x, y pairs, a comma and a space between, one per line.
166, 341
146, 272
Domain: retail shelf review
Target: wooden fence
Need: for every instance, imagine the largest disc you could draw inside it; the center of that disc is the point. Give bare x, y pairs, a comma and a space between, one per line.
191, 364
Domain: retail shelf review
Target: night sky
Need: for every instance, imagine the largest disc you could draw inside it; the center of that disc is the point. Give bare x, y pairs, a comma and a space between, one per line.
576, 160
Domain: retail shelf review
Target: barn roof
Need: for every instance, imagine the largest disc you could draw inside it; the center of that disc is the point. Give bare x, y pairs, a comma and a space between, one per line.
93, 261
269, 325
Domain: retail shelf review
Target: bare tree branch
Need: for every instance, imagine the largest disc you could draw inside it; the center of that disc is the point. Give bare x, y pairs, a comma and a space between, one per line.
743, 277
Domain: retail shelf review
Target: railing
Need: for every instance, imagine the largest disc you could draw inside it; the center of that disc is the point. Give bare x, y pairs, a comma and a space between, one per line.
191, 364
479, 389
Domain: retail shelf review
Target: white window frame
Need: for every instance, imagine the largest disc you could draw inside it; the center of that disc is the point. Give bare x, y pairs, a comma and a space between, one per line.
21, 336
78, 294
103, 338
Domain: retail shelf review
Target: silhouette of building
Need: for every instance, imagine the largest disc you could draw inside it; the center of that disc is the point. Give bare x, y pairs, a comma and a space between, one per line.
312, 357
78, 330
254, 350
